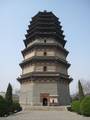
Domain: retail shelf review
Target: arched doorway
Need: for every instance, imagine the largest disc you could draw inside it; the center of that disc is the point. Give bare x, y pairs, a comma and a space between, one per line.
45, 102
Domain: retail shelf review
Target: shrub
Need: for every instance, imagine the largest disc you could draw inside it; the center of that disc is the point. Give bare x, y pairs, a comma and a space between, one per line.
85, 106
3, 107
7, 107
16, 107
1, 98
69, 108
75, 106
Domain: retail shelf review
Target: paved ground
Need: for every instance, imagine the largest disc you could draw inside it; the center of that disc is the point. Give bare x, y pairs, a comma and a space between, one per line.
45, 115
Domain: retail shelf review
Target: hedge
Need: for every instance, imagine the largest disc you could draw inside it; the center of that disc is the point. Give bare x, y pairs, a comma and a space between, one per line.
4, 107
81, 106
7, 108
85, 106
16, 107
75, 106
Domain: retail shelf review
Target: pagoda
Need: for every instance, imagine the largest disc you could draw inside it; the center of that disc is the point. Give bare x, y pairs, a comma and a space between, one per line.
44, 79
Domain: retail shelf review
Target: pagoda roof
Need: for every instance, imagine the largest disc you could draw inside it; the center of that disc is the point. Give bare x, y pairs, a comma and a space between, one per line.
32, 75
44, 24
44, 58
42, 45
45, 34
44, 15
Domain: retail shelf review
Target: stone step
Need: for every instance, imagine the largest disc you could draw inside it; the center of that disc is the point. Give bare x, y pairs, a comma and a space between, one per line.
46, 108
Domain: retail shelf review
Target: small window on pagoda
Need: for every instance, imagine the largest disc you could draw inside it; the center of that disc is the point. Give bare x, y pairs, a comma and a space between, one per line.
44, 68
45, 53
45, 41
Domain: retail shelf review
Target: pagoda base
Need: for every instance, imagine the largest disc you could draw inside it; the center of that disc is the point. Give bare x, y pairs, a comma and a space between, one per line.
45, 93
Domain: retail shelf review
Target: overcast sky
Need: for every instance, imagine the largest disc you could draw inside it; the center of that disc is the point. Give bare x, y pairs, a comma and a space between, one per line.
14, 20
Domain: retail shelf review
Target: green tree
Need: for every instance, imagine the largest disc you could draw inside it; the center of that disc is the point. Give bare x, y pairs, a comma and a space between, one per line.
85, 106
4, 107
8, 95
81, 93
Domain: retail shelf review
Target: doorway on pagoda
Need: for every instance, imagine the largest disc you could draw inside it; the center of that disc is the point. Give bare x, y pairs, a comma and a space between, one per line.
45, 101
44, 98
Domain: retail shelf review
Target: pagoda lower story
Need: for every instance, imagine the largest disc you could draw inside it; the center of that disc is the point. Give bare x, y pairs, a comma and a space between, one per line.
45, 91
44, 79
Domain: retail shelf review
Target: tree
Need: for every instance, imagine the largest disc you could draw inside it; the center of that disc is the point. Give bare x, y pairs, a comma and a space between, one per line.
86, 86
4, 107
81, 93
8, 95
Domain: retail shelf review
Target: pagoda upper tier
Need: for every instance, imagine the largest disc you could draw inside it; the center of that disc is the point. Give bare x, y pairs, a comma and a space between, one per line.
44, 24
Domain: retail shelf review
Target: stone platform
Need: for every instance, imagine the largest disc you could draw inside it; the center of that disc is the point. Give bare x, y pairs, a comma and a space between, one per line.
45, 108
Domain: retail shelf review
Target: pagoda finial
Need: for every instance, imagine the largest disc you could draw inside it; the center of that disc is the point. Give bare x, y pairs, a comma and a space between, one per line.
45, 10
